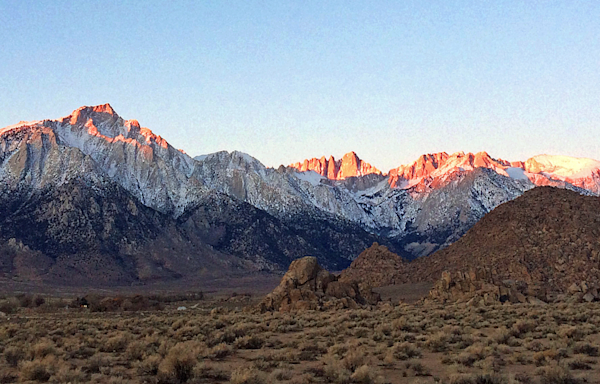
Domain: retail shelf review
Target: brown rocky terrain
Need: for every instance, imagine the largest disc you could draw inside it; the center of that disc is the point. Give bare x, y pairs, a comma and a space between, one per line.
372, 267
306, 285
546, 239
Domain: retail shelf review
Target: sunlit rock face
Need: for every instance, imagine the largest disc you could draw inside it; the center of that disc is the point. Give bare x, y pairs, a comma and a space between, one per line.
141, 162
350, 165
431, 168
581, 172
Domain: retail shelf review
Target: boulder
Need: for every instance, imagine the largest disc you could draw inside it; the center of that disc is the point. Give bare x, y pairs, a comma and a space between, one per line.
535, 301
588, 297
574, 288
583, 292
307, 286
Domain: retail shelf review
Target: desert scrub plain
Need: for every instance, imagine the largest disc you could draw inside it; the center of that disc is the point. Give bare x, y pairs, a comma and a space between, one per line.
416, 343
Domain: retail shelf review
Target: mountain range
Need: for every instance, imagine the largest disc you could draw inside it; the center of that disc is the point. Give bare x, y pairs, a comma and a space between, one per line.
92, 191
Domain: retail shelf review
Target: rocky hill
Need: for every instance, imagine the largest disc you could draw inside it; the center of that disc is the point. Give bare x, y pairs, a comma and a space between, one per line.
547, 237
374, 267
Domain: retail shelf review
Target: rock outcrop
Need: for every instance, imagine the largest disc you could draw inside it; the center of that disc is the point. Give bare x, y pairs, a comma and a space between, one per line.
582, 292
483, 287
307, 286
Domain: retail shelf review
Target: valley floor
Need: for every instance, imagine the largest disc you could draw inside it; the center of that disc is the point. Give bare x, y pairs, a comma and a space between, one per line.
215, 343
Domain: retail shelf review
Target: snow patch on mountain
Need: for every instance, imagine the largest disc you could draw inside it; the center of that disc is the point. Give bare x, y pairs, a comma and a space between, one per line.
311, 176
516, 173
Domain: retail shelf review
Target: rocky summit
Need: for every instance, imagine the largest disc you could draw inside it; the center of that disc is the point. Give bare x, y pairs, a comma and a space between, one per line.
306, 285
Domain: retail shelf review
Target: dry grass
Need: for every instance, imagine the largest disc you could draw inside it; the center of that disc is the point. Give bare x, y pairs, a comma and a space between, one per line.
553, 344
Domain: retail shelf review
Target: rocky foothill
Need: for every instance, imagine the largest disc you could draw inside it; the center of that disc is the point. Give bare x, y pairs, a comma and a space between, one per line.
541, 246
374, 267
307, 286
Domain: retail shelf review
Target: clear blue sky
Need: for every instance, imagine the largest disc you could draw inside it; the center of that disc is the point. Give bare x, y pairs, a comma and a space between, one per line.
284, 81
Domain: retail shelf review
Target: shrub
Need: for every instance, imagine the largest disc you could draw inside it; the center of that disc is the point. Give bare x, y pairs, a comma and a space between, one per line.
478, 379
206, 371
249, 342
13, 355
558, 375
25, 301
405, 351
522, 327
35, 370
117, 343
586, 349
248, 375
364, 375
334, 372
418, 369
7, 377
353, 359
42, 349
570, 332
67, 375
149, 366
282, 374
180, 362
219, 351
8, 307
438, 342
579, 365
39, 301
135, 350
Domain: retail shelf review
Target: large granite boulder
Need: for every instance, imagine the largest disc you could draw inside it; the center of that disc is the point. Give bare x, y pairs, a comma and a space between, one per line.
307, 286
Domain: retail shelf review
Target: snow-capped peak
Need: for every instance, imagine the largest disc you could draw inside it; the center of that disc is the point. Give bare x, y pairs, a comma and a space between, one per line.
439, 165
562, 166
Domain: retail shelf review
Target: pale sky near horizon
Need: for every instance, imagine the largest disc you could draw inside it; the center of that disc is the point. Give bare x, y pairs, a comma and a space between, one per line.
284, 80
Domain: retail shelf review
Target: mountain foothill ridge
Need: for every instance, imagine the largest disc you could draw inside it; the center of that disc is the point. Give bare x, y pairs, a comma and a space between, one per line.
226, 211
546, 238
